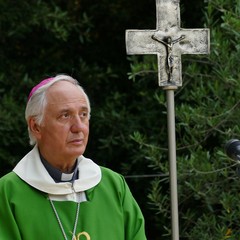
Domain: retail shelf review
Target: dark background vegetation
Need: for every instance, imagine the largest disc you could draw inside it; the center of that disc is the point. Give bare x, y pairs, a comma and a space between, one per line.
128, 134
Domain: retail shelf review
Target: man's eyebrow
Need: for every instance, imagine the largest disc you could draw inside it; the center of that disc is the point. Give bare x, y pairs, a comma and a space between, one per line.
84, 108
69, 109
64, 110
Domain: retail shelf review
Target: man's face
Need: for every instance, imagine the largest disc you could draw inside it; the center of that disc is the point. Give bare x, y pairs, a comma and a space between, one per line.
63, 134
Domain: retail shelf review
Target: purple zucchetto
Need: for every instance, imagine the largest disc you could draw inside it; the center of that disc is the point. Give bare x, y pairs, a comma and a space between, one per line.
42, 83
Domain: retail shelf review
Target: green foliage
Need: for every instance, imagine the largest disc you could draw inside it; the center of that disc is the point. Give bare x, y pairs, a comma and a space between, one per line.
207, 112
129, 116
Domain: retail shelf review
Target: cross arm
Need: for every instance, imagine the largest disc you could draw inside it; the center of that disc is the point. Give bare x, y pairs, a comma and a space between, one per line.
197, 41
141, 42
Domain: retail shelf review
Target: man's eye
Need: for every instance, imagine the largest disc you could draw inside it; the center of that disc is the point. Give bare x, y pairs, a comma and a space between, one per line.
65, 115
83, 115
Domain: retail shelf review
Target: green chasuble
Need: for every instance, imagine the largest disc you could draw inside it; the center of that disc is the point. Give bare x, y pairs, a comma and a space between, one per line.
110, 212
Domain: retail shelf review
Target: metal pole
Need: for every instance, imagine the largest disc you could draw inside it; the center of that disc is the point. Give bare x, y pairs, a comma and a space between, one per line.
172, 160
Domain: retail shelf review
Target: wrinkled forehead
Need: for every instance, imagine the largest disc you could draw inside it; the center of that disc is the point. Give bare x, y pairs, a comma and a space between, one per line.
64, 92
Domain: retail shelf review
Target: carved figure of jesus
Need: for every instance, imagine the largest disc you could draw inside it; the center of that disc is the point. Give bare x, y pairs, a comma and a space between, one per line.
168, 42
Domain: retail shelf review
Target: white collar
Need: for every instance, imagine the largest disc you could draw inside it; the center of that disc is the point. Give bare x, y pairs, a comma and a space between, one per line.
31, 170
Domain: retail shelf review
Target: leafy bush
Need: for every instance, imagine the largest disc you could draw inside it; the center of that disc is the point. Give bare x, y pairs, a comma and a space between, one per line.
129, 119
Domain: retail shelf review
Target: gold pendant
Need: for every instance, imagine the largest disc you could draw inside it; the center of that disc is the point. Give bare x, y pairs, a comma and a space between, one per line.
85, 234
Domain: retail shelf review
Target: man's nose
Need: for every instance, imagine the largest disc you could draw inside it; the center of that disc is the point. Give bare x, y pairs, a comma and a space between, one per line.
77, 124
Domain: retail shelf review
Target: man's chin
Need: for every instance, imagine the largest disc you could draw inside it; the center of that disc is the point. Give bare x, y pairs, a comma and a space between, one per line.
76, 151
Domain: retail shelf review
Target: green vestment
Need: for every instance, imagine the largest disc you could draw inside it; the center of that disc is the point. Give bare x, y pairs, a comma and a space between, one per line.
110, 212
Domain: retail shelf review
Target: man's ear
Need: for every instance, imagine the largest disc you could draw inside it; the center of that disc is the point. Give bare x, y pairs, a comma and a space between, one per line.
34, 127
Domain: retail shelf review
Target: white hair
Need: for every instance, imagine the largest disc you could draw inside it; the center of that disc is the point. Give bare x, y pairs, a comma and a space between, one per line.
38, 101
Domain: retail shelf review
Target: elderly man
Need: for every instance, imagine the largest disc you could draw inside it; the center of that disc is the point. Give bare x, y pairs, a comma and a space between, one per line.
56, 193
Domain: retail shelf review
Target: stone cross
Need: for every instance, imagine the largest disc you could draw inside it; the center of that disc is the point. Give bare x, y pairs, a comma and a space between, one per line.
168, 41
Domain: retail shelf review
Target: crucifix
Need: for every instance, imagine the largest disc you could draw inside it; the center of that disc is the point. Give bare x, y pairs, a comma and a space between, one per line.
169, 41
